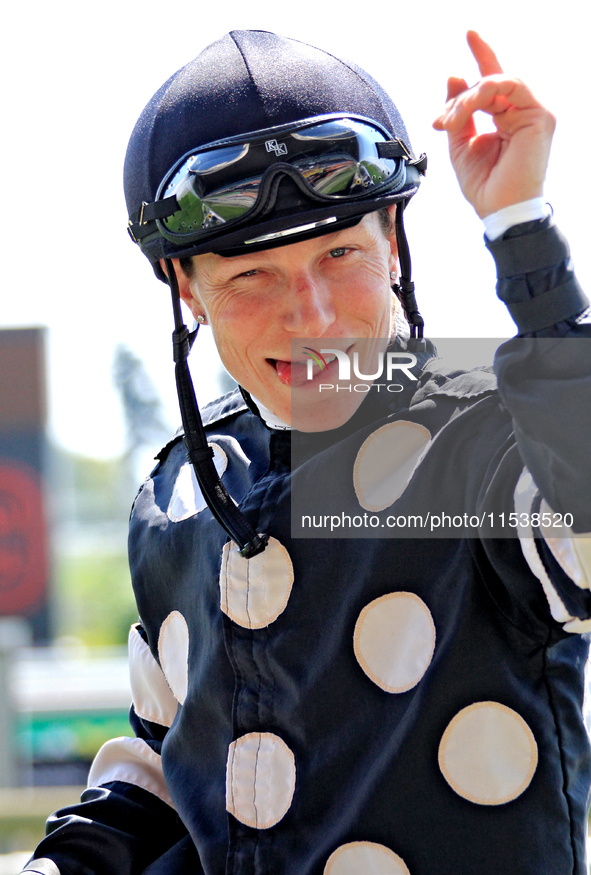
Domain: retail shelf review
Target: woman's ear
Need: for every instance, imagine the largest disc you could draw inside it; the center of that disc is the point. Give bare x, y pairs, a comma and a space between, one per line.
391, 237
184, 284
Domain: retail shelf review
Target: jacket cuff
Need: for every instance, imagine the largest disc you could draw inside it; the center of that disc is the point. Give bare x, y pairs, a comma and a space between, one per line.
42, 866
520, 255
528, 247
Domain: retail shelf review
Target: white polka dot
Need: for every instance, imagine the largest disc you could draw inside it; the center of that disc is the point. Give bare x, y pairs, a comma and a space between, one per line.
572, 552
152, 697
488, 753
173, 650
187, 499
260, 779
146, 509
386, 462
365, 858
254, 592
394, 640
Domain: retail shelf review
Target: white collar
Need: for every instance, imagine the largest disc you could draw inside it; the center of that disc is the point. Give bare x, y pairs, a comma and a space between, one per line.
269, 417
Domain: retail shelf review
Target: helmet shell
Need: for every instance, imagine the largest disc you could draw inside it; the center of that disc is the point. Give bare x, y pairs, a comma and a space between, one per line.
245, 82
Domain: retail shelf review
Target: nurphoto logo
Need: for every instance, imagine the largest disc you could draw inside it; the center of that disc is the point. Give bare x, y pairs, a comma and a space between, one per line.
386, 361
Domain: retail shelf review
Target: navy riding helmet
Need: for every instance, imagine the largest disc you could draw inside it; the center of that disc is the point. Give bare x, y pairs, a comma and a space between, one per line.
256, 86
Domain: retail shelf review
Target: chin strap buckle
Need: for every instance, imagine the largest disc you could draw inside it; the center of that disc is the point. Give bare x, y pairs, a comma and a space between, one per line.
405, 290
254, 546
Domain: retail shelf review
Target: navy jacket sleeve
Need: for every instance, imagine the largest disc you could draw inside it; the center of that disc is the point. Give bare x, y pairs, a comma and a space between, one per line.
544, 377
125, 821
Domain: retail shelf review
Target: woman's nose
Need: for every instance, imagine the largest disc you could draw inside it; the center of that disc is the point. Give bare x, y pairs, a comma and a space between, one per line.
310, 310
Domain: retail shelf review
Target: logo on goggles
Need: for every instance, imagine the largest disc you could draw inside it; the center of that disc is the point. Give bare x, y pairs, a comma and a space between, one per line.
274, 146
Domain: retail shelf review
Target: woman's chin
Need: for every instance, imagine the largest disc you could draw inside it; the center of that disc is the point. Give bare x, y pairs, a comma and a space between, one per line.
324, 411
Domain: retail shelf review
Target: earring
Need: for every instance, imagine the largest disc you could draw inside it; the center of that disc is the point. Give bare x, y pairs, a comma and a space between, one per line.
393, 277
201, 319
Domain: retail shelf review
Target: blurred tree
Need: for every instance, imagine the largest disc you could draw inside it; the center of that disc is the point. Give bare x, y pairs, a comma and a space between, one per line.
94, 598
142, 407
90, 501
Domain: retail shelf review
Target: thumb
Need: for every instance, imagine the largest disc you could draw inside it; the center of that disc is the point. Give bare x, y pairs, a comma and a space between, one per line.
455, 86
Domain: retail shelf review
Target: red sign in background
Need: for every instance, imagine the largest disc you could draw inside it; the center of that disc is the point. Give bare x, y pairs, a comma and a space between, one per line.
23, 541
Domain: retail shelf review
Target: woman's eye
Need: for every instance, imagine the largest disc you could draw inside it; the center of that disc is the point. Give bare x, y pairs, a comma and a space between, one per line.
338, 253
248, 273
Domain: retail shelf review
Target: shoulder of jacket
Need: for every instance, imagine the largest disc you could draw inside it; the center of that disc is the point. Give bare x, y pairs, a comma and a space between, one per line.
221, 410
439, 377
227, 407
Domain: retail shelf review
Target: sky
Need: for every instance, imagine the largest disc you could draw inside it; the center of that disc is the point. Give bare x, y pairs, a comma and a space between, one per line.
76, 77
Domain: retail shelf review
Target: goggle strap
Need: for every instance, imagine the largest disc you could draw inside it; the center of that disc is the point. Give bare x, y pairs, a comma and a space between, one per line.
199, 453
157, 210
393, 149
142, 222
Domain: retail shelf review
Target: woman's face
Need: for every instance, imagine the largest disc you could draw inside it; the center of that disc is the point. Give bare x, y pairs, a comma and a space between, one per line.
265, 308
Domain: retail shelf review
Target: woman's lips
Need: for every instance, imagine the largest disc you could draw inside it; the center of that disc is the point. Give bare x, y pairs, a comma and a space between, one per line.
295, 374
291, 373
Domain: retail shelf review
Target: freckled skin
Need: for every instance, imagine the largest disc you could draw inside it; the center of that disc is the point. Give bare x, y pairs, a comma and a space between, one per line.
334, 286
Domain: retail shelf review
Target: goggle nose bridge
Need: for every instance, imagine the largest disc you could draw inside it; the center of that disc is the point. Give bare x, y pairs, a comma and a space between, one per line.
271, 181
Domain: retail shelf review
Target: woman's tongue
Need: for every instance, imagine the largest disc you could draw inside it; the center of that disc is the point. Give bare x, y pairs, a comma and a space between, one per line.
292, 373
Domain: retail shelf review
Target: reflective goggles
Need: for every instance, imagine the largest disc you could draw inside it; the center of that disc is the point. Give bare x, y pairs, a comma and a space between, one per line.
331, 158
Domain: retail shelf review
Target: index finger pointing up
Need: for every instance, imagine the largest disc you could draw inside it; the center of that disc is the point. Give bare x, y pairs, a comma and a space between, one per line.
487, 61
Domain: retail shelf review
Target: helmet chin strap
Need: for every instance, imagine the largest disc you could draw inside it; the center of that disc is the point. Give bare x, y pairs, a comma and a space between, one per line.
199, 452
405, 290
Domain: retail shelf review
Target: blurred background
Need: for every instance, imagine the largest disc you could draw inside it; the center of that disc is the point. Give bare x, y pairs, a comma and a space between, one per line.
86, 378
